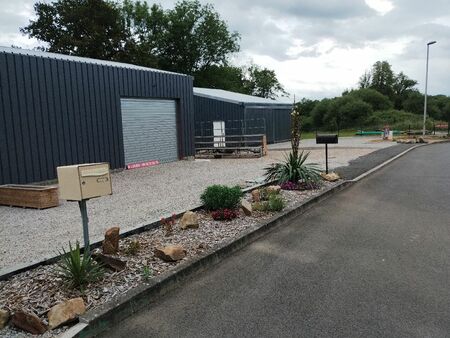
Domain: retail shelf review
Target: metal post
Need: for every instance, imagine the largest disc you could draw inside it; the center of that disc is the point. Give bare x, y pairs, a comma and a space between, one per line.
426, 88
326, 158
85, 220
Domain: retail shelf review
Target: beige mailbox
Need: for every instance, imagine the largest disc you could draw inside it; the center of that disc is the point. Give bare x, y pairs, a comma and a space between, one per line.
84, 181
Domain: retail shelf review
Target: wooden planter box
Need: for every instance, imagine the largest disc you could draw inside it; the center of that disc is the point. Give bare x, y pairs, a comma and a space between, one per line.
29, 196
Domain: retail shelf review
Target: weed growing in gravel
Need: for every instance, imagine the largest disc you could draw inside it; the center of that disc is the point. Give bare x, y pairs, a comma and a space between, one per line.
168, 224
133, 248
76, 269
217, 197
147, 272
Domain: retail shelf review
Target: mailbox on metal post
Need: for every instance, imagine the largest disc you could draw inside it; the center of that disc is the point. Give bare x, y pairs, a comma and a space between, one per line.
81, 182
326, 139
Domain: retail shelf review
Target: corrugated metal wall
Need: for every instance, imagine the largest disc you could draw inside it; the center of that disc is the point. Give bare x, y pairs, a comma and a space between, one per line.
58, 112
208, 110
278, 121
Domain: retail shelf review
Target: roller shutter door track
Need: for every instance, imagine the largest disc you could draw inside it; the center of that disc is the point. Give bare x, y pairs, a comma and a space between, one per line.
149, 130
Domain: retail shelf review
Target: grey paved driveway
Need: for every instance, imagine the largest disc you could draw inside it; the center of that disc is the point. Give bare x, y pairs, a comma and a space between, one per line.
372, 261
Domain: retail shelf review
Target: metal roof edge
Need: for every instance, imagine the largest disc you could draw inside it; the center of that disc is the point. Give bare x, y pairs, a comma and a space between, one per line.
81, 59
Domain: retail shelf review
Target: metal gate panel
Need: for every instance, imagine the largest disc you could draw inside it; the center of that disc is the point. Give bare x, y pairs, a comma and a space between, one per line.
149, 130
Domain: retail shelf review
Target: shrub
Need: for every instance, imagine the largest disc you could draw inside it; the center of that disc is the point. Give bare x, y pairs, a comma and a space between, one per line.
224, 214
275, 203
260, 206
78, 270
293, 169
217, 197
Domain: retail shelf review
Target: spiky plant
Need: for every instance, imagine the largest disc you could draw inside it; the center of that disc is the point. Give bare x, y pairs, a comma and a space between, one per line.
76, 269
293, 169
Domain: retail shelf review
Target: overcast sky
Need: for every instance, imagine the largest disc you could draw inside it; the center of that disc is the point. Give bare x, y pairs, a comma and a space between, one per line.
318, 48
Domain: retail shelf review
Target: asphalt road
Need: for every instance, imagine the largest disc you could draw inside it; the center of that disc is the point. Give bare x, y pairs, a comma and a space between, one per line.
371, 261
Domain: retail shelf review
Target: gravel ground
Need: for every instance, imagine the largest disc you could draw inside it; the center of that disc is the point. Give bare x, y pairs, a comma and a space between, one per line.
139, 196
39, 289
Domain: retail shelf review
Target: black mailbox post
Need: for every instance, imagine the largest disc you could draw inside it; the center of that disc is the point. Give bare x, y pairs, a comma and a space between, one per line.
326, 139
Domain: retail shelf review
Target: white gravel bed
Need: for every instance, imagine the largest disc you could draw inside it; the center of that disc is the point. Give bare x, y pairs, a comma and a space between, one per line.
139, 196
40, 289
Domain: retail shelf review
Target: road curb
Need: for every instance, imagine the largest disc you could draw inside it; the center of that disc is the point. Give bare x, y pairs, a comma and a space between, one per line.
100, 319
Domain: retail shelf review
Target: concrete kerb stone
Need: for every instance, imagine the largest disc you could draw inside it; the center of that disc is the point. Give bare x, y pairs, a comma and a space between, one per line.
136, 299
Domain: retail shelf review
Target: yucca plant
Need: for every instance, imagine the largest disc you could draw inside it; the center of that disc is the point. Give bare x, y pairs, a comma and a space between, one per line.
293, 169
78, 270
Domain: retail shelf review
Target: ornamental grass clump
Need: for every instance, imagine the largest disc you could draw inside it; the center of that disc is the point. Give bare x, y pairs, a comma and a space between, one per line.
293, 169
217, 197
78, 270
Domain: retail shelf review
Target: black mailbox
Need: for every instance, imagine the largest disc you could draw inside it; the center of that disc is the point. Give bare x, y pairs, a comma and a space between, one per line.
326, 138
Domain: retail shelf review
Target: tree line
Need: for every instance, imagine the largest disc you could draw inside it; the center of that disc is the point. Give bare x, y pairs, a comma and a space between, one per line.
191, 39
382, 98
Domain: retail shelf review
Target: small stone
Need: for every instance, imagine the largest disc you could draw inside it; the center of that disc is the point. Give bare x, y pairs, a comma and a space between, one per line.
273, 189
422, 140
111, 242
28, 322
171, 253
66, 312
4, 317
246, 207
189, 220
256, 195
330, 177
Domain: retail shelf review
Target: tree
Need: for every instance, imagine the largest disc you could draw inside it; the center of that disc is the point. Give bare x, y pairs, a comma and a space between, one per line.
91, 28
401, 87
195, 38
262, 82
319, 112
382, 78
221, 77
375, 99
186, 39
365, 80
413, 102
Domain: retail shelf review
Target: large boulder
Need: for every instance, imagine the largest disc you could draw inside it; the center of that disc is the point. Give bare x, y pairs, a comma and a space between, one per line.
111, 242
171, 253
4, 318
28, 322
66, 312
189, 220
246, 207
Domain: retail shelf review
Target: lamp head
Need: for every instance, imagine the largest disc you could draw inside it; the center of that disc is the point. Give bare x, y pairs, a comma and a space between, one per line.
431, 43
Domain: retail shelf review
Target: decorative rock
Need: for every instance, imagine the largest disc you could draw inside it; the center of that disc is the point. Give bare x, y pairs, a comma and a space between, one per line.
422, 140
28, 322
256, 195
171, 253
189, 220
4, 317
273, 189
65, 312
111, 242
330, 177
246, 207
111, 262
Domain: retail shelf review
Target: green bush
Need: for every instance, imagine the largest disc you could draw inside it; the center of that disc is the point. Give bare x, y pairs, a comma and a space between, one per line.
275, 203
78, 270
217, 197
293, 169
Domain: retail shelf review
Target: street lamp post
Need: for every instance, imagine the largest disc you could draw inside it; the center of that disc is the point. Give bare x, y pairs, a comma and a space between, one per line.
426, 88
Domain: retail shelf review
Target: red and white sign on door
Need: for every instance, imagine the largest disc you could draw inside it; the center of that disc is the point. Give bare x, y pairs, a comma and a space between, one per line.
142, 164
